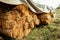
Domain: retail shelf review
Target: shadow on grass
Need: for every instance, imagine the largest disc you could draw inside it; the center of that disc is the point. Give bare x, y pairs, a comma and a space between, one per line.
40, 26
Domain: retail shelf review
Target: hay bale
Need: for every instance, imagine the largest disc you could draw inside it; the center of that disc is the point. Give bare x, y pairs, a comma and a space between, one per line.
18, 22
46, 18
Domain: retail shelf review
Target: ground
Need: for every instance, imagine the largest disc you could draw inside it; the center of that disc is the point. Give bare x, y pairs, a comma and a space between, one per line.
49, 32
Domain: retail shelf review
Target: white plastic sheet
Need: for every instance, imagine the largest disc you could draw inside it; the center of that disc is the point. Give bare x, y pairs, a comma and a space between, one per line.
51, 3
41, 4
45, 5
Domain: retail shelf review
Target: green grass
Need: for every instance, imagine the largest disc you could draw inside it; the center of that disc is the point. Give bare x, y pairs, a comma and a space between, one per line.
58, 10
49, 32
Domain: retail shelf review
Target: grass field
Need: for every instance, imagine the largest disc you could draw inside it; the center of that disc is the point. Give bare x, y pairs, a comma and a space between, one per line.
49, 32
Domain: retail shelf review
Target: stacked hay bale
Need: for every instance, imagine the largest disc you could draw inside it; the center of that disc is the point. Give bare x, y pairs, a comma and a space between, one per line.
19, 21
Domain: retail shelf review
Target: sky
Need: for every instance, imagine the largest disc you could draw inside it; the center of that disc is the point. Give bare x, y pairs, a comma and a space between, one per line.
52, 3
